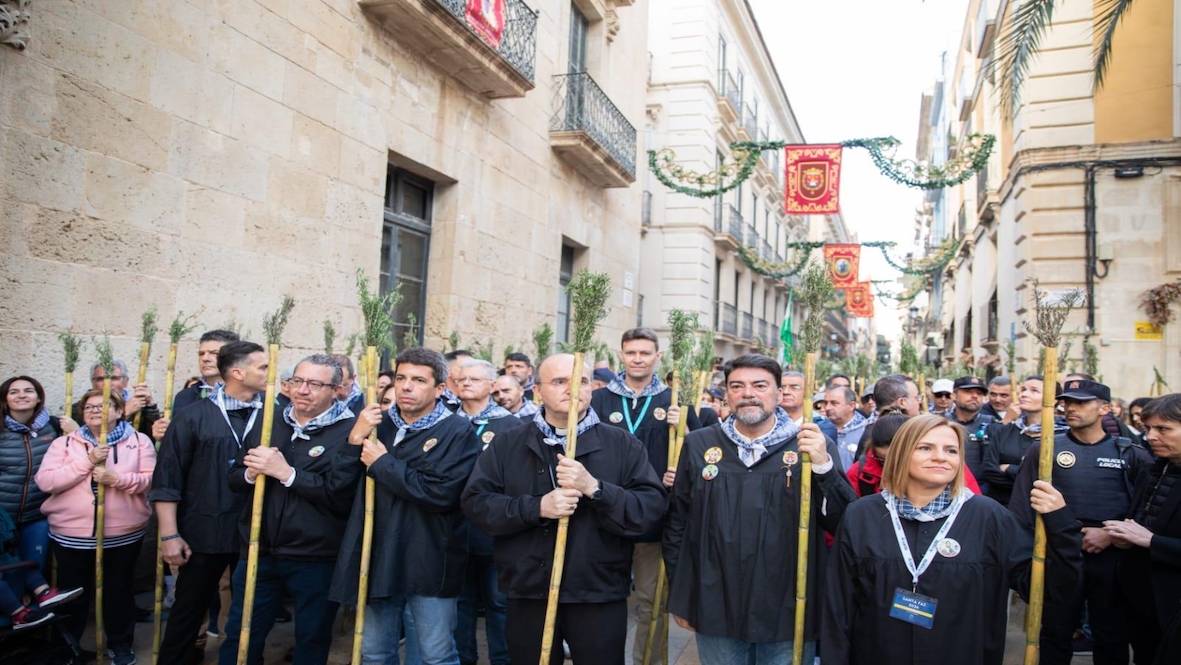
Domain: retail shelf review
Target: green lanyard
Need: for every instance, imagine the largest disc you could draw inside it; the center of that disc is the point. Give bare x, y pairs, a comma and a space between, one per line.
627, 414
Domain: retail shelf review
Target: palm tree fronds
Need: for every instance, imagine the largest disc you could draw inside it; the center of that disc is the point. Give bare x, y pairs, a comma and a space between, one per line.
1106, 22
1020, 41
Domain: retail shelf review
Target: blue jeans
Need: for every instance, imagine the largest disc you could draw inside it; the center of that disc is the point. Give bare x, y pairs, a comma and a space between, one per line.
34, 542
480, 589
306, 583
713, 650
434, 622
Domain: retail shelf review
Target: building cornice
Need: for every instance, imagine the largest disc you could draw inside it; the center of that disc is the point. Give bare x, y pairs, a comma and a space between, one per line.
1080, 156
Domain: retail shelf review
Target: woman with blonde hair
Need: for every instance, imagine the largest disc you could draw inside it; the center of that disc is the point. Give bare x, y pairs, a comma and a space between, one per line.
920, 573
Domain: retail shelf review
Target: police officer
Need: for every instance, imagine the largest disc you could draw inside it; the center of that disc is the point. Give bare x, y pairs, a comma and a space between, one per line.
969, 397
1096, 473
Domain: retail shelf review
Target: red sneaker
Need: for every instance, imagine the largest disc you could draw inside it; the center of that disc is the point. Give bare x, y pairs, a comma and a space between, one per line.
28, 617
52, 596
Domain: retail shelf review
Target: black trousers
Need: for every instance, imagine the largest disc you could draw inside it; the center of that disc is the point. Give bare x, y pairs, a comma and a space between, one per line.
596, 632
75, 568
196, 584
1101, 591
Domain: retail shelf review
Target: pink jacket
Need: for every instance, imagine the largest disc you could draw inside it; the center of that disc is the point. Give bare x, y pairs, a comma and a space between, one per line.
65, 475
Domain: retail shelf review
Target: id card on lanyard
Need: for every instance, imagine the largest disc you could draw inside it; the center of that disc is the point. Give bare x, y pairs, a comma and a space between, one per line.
221, 405
911, 606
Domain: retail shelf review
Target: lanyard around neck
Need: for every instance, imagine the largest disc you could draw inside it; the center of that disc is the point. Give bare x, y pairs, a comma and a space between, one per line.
907, 557
627, 414
221, 405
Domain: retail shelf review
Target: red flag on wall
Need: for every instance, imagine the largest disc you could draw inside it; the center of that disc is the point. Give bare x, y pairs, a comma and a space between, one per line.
842, 262
486, 17
813, 179
859, 300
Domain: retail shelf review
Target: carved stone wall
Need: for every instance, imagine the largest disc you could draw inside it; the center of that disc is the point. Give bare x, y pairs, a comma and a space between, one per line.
14, 18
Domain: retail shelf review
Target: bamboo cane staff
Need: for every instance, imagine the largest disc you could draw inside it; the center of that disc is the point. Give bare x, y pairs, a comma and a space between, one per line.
147, 333
681, 326
815, 290
1010, 350
1050, 316
272, 326
378, 314
72, 350
106, 358
588, 297
180, 327
923, 406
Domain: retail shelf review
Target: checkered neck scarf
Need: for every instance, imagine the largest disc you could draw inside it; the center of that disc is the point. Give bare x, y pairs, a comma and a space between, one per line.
491, 411
204, 390
426, 422
39, 421
939, 508
752, 451
1035, 428
557, 437
856, 421
527, 409
117, 433
619, 386
354, 393
336, 412
220, 396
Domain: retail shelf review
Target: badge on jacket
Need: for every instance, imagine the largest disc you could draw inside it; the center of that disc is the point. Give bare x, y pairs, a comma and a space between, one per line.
316, 451
659, 413
431, 443
709, 472
713, 455
487, 437
1065, 459
615, 417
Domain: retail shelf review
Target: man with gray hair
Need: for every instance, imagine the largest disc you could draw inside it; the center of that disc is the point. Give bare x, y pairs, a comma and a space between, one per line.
840, 407
313, 475
136, 398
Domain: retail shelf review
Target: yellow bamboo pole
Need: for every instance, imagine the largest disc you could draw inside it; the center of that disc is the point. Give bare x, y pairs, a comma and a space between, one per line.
99, 527
1037, 583
923, 394
660, 595
555, 580
144, 349
158, 601
69, 395
805, 526
367, 526
268, 419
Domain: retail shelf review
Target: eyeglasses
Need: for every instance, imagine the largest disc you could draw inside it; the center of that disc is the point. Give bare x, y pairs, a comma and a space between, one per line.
297, 383
561, 383
93, 408
470, 379
943, 395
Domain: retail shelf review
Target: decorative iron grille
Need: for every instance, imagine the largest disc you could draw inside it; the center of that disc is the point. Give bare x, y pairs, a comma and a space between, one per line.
581, 105
728, 88
518, 43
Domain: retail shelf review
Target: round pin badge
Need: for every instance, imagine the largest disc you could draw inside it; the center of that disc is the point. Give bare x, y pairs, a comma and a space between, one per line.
615, 417
709, 472
316, 451
713, 455
791, 457
659, 413
431, 443
1065, 459
948, 547
488, 436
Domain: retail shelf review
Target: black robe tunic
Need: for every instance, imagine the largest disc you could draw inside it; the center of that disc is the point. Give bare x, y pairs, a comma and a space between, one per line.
730, 542
971, 588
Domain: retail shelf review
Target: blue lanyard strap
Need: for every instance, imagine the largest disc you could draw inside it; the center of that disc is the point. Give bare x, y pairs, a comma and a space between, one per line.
480, 429
627, 414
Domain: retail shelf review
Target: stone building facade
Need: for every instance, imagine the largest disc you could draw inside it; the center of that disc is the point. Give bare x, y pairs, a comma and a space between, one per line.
213, 156
1083, 191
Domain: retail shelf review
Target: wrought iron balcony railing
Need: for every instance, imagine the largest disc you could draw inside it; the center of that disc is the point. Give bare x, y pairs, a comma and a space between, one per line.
750, 121
728, 88
752, 237
726, 318
768, 254
736, 226
748, 323
580, 105
518, 43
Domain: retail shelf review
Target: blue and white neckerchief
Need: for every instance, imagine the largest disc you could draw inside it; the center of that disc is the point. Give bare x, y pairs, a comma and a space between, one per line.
39, 421
619, 386
528, 409
117, 433
204, 390
336, 412
752, 451
426, 422
354, 393
557, 437
856, 421
491, 411
940, 507
226, 403
1035, 428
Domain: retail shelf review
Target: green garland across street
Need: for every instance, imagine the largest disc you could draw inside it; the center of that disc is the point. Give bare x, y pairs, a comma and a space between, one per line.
924, 266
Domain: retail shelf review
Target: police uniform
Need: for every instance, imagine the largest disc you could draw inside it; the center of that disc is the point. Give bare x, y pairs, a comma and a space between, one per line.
1096, 480
977, 431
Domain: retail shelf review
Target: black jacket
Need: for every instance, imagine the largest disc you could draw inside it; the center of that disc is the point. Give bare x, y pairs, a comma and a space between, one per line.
193, 468
972, 588
974, 444
190, 395
651, 429
503, 499
730, 543
479, 542
305, 521
1151, 577
419, 543
1005, 444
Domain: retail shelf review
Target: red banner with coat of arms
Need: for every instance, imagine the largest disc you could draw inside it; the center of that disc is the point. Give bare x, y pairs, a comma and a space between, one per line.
859, 300
813, 179
843, 262
486, 17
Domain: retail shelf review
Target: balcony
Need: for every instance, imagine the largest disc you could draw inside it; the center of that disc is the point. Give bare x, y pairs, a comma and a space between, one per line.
729, 96
768, 254
750, 122
726, 318
751, 238
986, 197
728, 227
590, 133
439, 31
748, 322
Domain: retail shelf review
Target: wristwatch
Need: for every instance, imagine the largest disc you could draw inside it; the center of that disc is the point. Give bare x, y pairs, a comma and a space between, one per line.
598, 494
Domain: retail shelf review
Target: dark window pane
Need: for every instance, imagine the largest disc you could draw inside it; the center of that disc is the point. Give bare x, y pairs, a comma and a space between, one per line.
411, 255
414, 200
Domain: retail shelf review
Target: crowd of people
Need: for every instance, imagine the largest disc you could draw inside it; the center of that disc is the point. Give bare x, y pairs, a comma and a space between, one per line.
922, 510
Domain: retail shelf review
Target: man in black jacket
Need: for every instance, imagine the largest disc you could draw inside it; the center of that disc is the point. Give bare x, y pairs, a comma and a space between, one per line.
523, 485
419, 461
730, 543
207, 348
312, 474
198, 514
